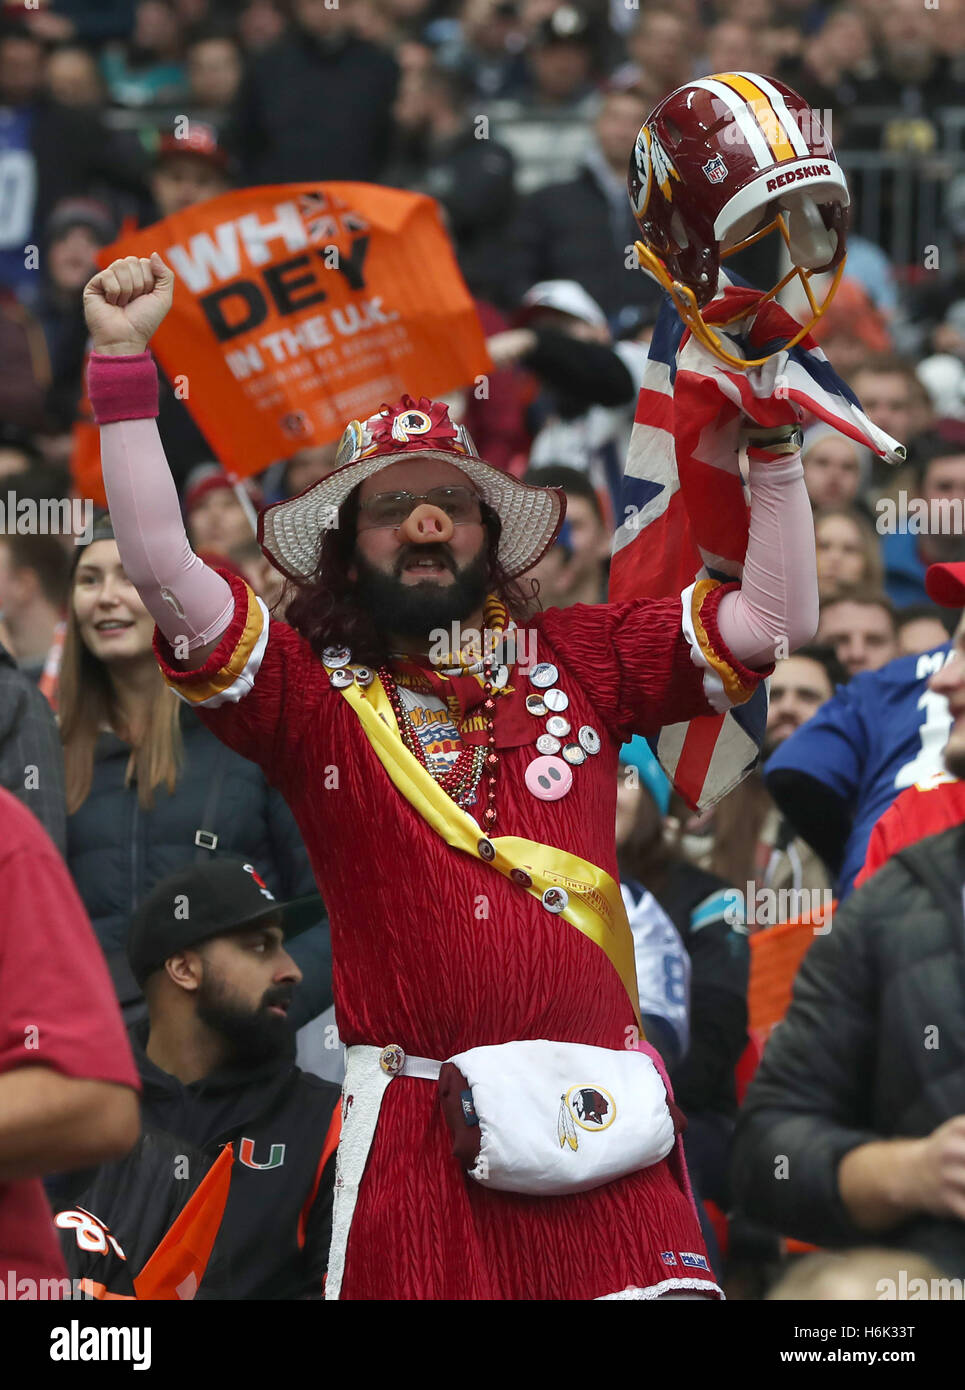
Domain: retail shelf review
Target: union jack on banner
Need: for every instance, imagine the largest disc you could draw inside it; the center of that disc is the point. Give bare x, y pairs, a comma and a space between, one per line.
684, 513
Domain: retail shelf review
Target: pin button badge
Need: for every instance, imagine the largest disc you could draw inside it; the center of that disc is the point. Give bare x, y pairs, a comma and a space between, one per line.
535, 705
333, 657
557, 726
555, 899
392, 1059
364, 676
589, 738
342, 678
521, 877
487, 850
500, 677
548, 778
546, 743
544, 675
556, 699
573, 754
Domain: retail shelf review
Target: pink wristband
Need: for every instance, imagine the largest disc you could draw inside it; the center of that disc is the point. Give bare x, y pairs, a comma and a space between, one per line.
122, 388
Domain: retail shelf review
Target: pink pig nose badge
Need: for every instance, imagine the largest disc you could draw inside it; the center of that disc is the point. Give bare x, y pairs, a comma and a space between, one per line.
549, 778
426, 523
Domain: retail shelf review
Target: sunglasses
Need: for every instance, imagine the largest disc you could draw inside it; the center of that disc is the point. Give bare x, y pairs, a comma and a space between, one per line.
460, 504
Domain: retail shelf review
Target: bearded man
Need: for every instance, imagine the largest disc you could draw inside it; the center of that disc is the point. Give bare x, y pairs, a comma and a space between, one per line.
506, 1134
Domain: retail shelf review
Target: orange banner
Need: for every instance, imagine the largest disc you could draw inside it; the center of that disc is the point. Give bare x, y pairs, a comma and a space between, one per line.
299, 307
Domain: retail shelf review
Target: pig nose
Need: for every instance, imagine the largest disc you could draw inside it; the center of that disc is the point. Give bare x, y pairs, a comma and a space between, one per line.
425, 524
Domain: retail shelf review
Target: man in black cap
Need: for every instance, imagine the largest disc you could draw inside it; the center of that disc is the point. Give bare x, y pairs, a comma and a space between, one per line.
216, 1062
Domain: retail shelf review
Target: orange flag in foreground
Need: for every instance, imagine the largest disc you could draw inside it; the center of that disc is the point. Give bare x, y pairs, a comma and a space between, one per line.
299, 307
176, 1268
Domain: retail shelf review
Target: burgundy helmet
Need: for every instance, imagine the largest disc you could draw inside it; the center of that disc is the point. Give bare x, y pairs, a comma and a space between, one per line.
721, 162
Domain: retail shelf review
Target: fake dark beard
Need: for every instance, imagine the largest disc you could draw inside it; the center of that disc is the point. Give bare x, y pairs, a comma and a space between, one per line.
414, 610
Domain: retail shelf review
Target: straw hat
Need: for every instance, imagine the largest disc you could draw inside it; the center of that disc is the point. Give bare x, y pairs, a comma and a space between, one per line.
291, 532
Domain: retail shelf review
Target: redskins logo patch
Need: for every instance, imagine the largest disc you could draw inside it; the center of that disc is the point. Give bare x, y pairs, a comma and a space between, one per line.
653, 166
589, 1107
410, 424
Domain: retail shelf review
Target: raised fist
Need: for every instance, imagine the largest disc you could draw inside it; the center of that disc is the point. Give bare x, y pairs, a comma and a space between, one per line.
125, 303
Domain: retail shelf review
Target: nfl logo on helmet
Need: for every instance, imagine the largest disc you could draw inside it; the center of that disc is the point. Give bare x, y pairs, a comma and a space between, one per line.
716, 169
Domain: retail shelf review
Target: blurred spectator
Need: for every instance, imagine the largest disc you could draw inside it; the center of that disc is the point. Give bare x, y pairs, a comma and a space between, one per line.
870, 1120
860, 626
439, 152
932, 301
215, 517
17, 452
848, 552
49, 152
149, 789
732, 46
494, 411
347, 84
548, 129
836, 777
661, 53
258, 571
912, 73
69, 1097
907, 551
215, 60
34, 579
920, 629
31, 758
188, 169
260, 24
751, 843
577, 419
583, 229
487, 53
829, 65
24, 366
883, 385
583, 577
74, 79
562, 59
836, 468
303, 468
75, 232
852, 329
148, 70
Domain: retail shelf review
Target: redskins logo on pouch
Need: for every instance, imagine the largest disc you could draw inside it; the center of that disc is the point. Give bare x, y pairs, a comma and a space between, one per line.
590, 1107
410, 424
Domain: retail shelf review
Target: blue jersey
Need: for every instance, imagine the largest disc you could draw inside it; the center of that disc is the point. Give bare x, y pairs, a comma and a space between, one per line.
882, 732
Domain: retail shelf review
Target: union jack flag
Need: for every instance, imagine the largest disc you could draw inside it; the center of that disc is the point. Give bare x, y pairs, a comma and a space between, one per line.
326, 217
684, 512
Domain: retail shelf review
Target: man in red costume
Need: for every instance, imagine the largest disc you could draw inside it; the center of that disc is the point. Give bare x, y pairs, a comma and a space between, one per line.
451, 761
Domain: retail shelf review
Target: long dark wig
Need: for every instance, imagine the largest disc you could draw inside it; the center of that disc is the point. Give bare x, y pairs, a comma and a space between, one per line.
326, 611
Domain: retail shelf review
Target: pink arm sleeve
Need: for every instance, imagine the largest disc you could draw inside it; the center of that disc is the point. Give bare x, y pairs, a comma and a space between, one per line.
184, 596
777, 605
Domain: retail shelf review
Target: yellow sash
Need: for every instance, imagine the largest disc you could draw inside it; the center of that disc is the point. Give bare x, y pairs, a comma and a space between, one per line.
595, 905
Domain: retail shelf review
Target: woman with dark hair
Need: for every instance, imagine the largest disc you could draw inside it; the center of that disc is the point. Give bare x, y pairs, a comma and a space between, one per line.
149, 789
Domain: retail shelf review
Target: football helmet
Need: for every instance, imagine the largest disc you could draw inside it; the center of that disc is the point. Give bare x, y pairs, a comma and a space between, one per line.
720, 163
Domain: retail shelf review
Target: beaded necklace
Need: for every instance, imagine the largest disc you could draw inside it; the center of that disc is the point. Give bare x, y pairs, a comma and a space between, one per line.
462, 779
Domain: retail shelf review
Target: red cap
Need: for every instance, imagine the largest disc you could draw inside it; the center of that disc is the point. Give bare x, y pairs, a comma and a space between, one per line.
204, 480
200, 139
946, 584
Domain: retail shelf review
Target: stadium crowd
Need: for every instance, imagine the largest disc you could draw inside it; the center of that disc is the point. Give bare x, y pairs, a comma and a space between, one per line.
518, 117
